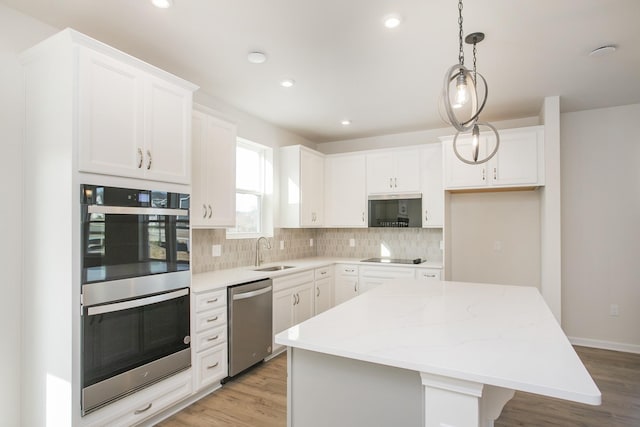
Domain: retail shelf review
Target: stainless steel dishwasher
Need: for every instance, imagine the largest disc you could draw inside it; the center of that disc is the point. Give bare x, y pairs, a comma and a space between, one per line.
250, 324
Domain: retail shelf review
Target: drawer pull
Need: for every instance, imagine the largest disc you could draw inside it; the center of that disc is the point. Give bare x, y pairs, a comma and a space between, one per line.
215, 365
212, 319
211, 301
213, 338
145, 409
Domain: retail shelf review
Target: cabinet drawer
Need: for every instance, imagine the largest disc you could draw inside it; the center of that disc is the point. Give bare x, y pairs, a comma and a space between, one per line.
323, 272
387, 272
428, 273
210, 338
209, 300
211, 366
292, 280
346, 270
211, 319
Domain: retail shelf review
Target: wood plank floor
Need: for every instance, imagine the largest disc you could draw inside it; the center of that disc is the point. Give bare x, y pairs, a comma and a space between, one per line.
259, 399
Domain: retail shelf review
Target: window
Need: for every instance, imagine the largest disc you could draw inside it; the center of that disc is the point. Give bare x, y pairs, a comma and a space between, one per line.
253, 190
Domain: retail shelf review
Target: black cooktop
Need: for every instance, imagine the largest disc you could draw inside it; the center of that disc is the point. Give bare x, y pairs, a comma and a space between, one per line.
395, 260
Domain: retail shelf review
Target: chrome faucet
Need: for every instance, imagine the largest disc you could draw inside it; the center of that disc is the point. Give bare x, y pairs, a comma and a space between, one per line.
258, 255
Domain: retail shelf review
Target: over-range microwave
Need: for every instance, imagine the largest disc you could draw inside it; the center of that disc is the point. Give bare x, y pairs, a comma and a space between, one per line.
395, 210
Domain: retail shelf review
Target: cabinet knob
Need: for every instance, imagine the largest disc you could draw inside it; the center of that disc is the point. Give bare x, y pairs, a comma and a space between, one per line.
150, 160
140, 158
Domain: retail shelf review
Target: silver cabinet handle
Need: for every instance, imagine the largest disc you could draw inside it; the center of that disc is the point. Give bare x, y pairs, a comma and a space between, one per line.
297, 298
210, 212
426, 214
215, 365
390, 182
395, 182
495, 174
317, 292
323, 272
204, 211
150, 160
362, 216
483, 178
145, 409
349, 270
211, 301
212, 319
355, 287
140, 158
213, 338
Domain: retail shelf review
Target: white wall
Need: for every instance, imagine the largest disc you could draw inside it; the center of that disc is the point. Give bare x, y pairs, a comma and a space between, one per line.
600, 151
18, 32
495, 237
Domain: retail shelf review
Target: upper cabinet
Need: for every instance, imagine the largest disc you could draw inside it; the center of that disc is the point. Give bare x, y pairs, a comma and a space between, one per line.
396, 171
213, 191
431, 188
133, 120
345, 191
301, 187
519, 161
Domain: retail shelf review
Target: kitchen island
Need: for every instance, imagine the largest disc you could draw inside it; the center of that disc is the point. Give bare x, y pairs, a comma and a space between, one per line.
429, 353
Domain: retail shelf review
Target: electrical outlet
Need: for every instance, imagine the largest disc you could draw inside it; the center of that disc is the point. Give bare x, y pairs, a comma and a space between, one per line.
310, 242
216, 250
352, 243
442, 245
281, 244
614, 310
497, 246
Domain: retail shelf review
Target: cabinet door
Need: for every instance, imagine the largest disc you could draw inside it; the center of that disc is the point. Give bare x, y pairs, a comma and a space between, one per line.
304, 305
345, 289
323, 295
345, 191
407, 171
458, 174
380, 173
311, 189
282, 313
110, 116
517, 159
167, 132
432, 190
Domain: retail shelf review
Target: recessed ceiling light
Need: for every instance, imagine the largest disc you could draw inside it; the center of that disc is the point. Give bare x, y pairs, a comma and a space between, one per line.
256, 57
603, 50
287, 82
392, 21
162, 4
345, 122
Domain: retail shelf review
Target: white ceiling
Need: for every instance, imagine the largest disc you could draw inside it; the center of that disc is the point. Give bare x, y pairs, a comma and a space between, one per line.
347, 65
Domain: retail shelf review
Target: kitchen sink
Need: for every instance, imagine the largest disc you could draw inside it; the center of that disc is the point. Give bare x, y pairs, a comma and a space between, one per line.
274, 268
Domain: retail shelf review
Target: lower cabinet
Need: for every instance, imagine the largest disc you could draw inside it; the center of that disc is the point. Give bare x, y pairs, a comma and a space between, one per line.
209, 337
293, 301
346, 282
144, 404
371, 276
323, 284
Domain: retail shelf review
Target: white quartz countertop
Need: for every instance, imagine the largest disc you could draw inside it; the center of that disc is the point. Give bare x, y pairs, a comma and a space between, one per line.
499, 335
217, 279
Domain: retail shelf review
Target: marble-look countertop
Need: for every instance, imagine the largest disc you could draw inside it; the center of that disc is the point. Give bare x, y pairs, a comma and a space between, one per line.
499, 335
217, 279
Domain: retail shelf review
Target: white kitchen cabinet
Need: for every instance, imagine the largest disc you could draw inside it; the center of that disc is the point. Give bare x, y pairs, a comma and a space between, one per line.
132, 122
393, 171
293, 301
519, 161
374, 276
346, 282
209, 337
301, 187
213, 194
345, 191
431, 188
323, 285
428, 273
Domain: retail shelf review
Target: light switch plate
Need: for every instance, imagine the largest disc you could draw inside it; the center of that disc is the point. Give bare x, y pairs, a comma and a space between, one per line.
216, 250
352, 243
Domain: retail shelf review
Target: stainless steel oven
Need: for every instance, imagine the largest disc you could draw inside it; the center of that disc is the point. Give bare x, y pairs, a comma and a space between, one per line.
135, 290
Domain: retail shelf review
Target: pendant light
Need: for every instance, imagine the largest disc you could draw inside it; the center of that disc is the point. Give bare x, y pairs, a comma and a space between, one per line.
461, 101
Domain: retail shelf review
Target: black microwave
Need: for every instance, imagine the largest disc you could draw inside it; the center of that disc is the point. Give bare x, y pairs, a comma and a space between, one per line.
395, 210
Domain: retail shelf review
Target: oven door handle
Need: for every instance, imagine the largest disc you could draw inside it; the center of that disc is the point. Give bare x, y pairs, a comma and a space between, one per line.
118, 306
252, 294
132, 210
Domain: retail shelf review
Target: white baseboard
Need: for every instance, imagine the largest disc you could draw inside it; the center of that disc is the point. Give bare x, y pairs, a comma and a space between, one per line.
606, 345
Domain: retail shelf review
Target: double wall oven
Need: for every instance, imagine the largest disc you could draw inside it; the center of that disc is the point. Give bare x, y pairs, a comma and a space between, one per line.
135, 290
